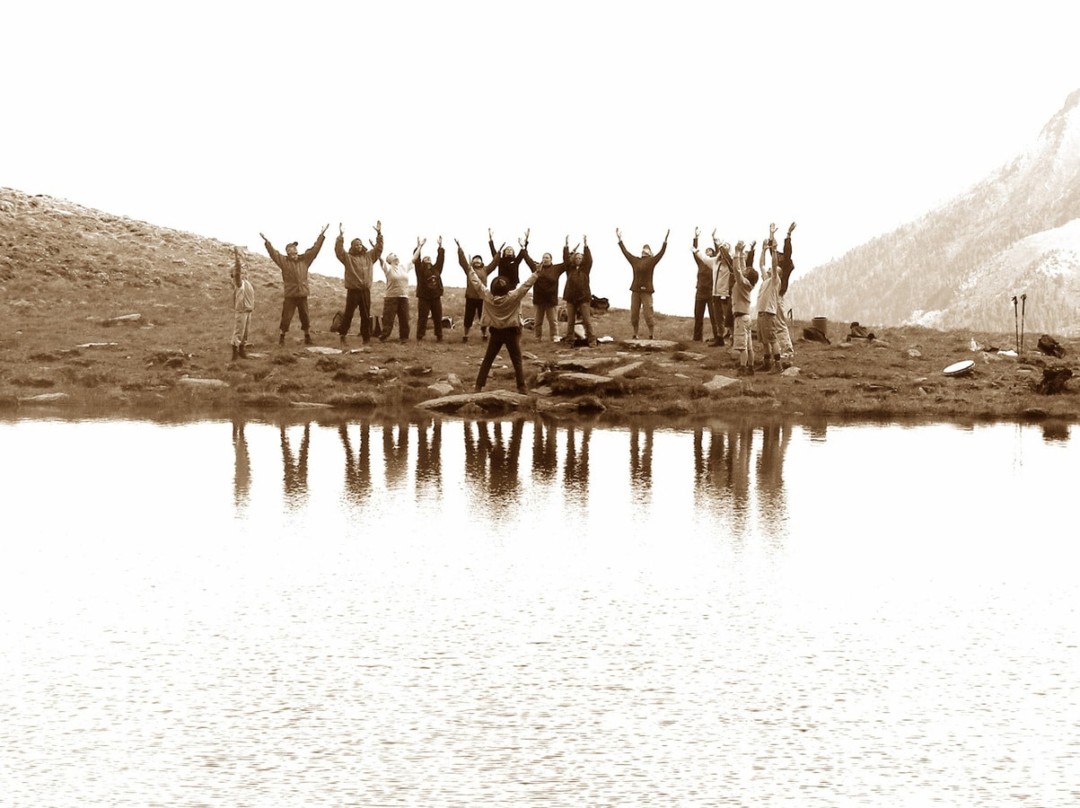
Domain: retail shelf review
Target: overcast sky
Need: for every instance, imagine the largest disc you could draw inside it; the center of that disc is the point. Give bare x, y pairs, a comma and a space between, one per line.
448, 118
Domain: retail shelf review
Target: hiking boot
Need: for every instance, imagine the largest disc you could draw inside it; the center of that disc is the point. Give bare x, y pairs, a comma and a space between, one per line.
241, 352
341, 337
235, 353
307, 339
465, 338
281, 339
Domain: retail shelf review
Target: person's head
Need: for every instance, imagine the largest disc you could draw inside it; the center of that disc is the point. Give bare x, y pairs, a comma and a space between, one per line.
710, 251
577, 258
500, 286
426, 261
392, 259
646, 250
508, 252
290, 249
545, 259
477, 262
752, 277
357, 247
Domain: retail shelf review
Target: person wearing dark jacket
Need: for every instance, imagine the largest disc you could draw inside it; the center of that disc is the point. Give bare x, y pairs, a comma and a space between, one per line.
429, 290
545, 293
787, 266
358, 262
294, 277
509, 264
474, 298
577, 293
641, 287
703, 293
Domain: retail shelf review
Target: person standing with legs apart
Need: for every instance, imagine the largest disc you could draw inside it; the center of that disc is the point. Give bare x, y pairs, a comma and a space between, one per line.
767, 303
545, 294
744, 280
703, 294
641, 287
395, 298
474, 299
429, 290
294, 276
502, 313
358, 262
577, 293
243, 305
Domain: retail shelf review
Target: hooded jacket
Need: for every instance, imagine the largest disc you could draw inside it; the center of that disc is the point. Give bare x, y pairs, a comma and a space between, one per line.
429, 277
358, 264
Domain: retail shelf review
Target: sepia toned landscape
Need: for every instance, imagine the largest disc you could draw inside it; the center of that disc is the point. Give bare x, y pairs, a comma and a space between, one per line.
106, 315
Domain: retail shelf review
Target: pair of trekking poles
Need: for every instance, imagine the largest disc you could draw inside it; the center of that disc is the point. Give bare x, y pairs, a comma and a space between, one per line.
1018, 324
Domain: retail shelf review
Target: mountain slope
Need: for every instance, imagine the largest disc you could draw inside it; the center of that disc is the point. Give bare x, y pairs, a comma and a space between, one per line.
958, 266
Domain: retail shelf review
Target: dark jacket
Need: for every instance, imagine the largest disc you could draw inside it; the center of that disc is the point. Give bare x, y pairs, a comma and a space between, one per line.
358, 264
787, 266
429, 278
470, 289
294, 271
546, 289
577, 288
509, 266
643, 266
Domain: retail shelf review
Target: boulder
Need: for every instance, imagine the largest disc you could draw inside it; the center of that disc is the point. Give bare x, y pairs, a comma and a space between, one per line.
719, 382
1053, 381
586, 364
495, 401
123, 319
44, 398
188, 381
325, 350
441, 388
573, 383
651, 345
619, 372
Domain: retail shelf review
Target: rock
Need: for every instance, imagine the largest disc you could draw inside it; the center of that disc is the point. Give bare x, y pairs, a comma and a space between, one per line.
791, 372
1035, 413
452, 379
188, 381
326, 350
309, 405
619, 372
441, 388
44, 398
914, 353
651, 345
1053, 381
585, 365
123, 319
719, 382
500, 400
687, 356
418, 370
98, 345
571, 383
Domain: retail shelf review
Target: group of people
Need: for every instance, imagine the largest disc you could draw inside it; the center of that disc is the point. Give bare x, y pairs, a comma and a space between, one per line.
725, 281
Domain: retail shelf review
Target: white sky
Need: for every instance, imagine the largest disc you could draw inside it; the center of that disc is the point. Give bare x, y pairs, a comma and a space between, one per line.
448, 118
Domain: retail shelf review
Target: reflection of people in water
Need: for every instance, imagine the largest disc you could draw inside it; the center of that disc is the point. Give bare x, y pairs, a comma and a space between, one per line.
429, 455
242, 464
357, 466
641, 460
504, 459
544, 452
396, 452
576, 467
770, 469
476, 452
295, 472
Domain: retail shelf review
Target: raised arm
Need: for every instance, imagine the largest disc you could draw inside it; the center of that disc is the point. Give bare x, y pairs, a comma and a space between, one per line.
339, 243
663, 247
378, 248
237, 269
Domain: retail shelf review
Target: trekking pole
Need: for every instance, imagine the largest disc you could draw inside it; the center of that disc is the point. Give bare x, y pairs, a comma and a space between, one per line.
1023, 309
1016, 324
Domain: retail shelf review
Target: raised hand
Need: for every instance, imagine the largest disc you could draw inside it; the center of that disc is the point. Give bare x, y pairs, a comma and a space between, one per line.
378, 226
324, 227
263, 237
668, 233
341, 229
791, 227
440, 242
697, 232
618, 234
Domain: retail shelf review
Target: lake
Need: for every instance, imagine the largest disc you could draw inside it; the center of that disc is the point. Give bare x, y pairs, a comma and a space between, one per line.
516, 612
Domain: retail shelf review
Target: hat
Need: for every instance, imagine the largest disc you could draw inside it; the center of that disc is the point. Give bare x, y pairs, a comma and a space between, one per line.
293, 244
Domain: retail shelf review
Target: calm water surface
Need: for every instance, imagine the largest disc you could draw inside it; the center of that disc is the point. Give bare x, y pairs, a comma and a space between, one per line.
499, 613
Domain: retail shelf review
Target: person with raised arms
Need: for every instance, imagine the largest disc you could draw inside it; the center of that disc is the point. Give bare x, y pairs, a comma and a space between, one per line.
294, 277
641, 286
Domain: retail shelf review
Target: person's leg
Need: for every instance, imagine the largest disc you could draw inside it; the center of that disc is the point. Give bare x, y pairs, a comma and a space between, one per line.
305, 321
436, 317
470, 313
539, 312
716, 321
389, 309
784, 330
513, 347
403, 318
423, 308
571, 318
494, 343
364, 305
650, 320
585, 310
346, 318
288, 307
699, 318
635, 311
552, 318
